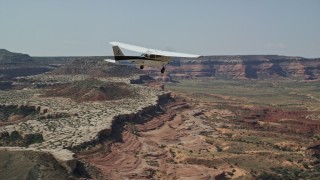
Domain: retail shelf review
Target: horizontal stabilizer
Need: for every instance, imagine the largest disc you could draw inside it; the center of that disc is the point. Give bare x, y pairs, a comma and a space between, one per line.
110, 60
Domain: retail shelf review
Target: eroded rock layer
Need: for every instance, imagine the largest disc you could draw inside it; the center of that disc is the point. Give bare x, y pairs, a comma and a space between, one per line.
241, 67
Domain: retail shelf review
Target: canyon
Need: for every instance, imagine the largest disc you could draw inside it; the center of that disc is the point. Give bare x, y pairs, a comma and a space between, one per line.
218, 117
223, 67
241, 67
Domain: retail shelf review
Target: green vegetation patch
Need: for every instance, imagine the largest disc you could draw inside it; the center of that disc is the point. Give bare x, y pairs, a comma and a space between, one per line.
7, 111
15, 139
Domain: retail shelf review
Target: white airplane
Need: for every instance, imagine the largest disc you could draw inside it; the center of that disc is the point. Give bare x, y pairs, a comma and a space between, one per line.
149, 57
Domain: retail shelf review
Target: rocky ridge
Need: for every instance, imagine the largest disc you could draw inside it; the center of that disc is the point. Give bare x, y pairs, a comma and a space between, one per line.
17, 64
241, 67
7, 57
66, 124
230, 67
59, 124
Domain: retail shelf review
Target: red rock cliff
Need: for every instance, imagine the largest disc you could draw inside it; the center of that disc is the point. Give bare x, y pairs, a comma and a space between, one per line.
241, 67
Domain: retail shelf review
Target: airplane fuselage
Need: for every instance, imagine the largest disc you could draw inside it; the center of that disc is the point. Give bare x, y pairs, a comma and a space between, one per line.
150, 57
145, 60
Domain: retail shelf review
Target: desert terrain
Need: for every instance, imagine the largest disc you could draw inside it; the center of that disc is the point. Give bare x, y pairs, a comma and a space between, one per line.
260, 129
52, 115
222, 129
83, 118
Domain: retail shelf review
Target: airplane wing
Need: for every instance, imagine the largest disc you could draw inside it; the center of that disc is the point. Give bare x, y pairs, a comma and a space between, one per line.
152, 51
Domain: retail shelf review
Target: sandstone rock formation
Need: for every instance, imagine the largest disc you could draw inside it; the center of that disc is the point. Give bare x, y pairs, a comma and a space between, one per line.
241, 67
72, 108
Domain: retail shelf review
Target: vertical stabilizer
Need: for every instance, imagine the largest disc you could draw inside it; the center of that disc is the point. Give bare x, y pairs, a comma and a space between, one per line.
117, 52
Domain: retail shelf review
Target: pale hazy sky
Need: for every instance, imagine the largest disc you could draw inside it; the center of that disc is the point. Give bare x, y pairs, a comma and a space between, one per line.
205, 27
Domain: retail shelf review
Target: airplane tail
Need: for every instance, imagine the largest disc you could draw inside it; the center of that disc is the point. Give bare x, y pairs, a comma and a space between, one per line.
117, 52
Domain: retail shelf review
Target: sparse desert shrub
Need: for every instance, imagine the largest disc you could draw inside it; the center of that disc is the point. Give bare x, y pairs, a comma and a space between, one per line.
210, 141
219, 149
173, 153
230, 174
33, 138
153, 163
15, 136
229, 135
268, 176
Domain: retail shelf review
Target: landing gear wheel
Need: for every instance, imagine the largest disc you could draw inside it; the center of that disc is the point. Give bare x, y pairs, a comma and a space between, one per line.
162, 70
141, 67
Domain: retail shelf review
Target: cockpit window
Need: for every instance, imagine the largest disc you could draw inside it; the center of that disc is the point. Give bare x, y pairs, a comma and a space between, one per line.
150, 55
